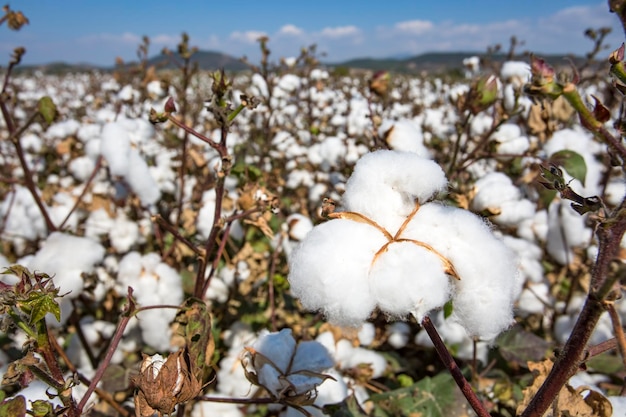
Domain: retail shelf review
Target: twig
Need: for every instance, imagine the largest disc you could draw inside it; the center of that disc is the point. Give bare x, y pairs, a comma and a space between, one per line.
454, 369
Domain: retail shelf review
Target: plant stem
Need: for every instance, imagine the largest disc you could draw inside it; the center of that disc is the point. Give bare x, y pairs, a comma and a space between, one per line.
454, 369
571, 356
117, 337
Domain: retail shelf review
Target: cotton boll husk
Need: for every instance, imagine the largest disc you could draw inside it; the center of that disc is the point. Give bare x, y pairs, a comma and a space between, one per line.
115, 148
329, 270
408, 278
385, 184
484, 295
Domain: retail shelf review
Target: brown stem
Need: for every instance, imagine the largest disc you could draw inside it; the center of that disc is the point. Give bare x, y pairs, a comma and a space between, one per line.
82, 194
164, 224
115, 340
100, 392
572, 354
454, 369
617, 330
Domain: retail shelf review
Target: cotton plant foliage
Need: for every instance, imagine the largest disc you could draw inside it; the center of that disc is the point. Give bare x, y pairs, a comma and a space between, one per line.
394, 248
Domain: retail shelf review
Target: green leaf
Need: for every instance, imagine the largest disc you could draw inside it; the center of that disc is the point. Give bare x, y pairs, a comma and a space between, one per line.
572, 162
430, 397
347, 408
39, 304
13, 407
520, 346
195, 321
448, 308
47, 109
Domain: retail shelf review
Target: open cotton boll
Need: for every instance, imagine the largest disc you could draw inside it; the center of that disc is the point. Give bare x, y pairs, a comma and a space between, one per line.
115, 148
566, 231
404, 135
141, 181
123, 233
510, 140
154, 282
398, 334
515, 72
385, 185
483, 296
408, 278
329, 270
66, 257
581, 142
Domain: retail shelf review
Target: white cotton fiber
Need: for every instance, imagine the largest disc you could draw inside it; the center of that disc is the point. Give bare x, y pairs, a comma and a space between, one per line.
409, 278
141, 181
385, 185
329, 270
115, 148
66, 257
483, 297
404, 135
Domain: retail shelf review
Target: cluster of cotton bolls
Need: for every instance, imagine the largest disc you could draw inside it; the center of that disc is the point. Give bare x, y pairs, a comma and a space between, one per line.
311, 135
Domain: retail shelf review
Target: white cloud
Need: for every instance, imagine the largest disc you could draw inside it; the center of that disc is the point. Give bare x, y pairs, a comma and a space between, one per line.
165, 39
414, 27
123, 38
340, 32
290, 30
249, 37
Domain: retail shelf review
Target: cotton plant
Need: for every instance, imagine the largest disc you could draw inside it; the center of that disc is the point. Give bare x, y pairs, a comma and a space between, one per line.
396, 250
289, 371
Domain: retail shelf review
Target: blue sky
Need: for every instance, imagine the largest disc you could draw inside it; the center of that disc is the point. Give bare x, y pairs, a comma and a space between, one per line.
97, 32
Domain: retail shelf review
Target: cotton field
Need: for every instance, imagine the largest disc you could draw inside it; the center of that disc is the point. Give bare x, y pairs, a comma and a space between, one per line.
314, 227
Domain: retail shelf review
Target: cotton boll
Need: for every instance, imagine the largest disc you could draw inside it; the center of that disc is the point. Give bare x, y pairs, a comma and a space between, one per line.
534, 299
82, 167
367, 333
115, 148
408, 278
214, 408
483, 296
123, 233
581, 142
206, 214
347, 357
404, 135
65, 257
510, 140
97, 224
299, 226
398, 334
154, 283
329, 270
141, 181
566, 230
385, 184
530, 256
515, 72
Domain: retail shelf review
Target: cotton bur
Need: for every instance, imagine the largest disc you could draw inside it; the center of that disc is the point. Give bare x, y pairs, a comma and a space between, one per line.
395, 249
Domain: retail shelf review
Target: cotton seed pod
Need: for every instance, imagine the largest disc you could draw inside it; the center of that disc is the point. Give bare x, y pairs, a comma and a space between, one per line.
161, 385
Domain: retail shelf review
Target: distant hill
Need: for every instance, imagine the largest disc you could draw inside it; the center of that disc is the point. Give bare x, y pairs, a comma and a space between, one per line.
207, 60
433, 62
